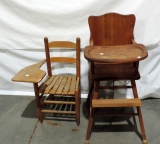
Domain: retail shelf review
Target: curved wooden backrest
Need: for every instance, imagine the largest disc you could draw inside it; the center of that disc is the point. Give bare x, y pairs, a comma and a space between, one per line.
111, 29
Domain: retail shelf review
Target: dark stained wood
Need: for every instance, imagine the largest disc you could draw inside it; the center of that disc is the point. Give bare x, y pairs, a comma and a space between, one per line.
111, 29
113, 55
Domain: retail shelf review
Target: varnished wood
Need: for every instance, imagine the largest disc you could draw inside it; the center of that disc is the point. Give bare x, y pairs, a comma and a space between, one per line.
62, 44
116, 102
116, 54
113, 55
111, 29
59, 112
55, 91
62, 85
57, 102
31, 74
58, 84
63, 59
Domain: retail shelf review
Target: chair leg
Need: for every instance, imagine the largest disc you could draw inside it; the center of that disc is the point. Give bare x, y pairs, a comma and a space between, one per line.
77, 107
95, 84
139, 113
90, 123
144, 138
40, 116
90, 94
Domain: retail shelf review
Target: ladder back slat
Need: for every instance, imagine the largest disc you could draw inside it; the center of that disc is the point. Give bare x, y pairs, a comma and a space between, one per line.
63, 59
63, 44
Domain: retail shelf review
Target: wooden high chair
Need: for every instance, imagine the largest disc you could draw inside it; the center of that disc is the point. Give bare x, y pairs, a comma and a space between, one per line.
114, 56
58, 94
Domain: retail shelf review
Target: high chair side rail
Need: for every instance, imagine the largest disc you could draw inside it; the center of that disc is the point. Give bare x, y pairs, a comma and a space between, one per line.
30, 74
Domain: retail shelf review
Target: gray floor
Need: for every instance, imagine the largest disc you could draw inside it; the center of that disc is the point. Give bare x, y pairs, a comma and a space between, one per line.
19, 125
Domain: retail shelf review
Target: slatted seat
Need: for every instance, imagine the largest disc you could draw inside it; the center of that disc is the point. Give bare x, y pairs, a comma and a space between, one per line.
59, 84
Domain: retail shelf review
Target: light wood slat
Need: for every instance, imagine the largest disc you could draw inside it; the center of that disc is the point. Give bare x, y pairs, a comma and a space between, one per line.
72, 86
42, 84
62, 85
64, 44
51, 85
59, 112
77, 84
41, 87
67, 86
57, 102
116, 102
63, 59
55, 87
46, 84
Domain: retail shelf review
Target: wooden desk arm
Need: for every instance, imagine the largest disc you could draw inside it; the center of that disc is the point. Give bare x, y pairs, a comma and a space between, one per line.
30, 74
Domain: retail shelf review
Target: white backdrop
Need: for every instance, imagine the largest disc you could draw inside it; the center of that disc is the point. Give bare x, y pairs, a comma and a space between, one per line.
24, 24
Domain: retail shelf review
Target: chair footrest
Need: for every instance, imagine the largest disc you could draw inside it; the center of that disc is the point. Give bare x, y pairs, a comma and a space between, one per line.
116, 103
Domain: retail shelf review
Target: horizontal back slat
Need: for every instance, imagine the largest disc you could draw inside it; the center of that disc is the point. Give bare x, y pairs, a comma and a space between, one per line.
63, 44
63, 59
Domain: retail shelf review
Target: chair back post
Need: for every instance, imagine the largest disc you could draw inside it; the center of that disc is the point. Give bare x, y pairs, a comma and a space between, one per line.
47, 56
78, 57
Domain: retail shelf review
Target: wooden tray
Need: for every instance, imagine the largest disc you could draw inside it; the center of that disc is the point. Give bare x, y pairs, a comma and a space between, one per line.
115, 54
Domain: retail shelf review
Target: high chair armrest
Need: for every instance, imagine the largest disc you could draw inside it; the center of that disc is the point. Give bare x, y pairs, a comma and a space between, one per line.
30, 74
133, 41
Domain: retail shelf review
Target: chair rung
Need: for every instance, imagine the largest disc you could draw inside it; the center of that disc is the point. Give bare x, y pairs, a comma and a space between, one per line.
116, 102
57, 102
59, 112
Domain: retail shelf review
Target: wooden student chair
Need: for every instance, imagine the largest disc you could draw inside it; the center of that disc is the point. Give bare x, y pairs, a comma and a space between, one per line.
112, 30
58, 94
